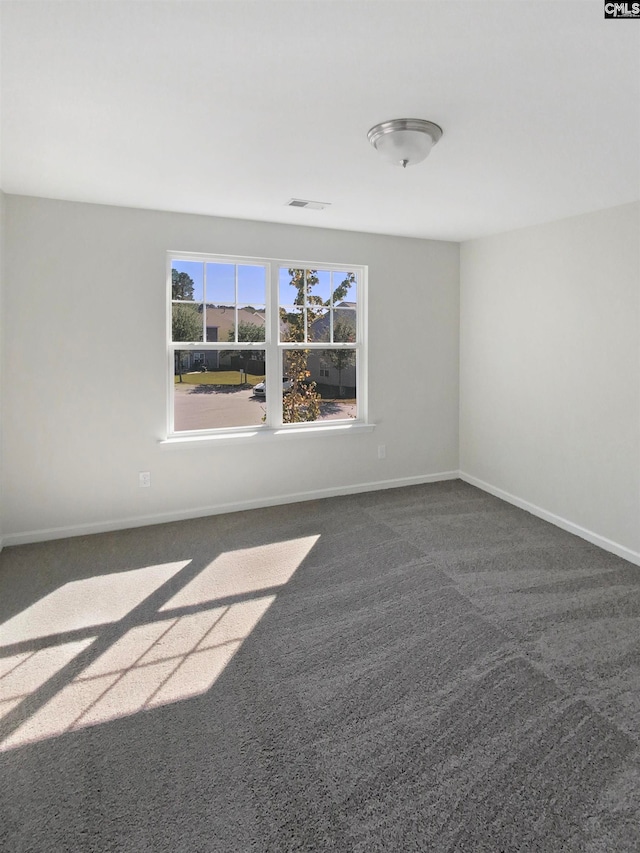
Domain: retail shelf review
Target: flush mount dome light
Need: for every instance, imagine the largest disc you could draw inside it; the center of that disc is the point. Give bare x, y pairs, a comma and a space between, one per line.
404, 141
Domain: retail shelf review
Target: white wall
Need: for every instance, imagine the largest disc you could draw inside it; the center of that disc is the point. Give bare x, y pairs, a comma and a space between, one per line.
550, 370
85, 386
1, 362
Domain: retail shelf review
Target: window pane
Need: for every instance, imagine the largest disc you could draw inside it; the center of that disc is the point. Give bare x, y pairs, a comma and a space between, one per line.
310, 287
251, 323
318, 324
320, 386
334, 373
252, 284
290, 286
344, 325
186, 322
322, 290
344, 288
221, 322
186, 280
292, 323
221, 283
213, 391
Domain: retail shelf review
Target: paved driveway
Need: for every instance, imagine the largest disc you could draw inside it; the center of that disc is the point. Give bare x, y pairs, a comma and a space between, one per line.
205, 407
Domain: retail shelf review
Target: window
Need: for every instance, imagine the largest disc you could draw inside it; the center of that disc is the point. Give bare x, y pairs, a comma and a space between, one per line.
263, 344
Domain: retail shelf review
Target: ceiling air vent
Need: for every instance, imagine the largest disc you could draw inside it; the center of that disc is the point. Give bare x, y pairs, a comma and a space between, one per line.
310, 205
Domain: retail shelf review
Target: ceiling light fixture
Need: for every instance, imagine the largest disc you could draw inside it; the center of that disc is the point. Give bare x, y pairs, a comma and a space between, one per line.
404, 141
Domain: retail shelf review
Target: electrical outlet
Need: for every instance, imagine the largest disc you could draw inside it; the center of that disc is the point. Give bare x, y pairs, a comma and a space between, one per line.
145, 479
382, 451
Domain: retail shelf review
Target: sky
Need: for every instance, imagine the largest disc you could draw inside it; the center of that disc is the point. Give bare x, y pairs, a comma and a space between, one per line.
220, 283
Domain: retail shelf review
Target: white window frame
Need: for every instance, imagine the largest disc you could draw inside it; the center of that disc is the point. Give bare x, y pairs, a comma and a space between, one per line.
274, 353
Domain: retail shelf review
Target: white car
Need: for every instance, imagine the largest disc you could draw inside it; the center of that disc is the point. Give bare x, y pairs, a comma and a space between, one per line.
260, 389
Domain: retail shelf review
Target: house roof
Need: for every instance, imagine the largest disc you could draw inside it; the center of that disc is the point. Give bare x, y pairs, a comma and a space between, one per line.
223, 319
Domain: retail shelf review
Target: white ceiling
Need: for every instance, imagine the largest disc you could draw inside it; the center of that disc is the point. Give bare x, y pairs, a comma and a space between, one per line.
231, 108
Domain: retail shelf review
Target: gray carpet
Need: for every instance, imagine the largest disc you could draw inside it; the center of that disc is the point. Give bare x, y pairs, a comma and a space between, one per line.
419, 669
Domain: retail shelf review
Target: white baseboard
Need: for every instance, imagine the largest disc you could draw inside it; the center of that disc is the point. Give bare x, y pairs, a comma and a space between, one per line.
44, 535
569, 526
200, 512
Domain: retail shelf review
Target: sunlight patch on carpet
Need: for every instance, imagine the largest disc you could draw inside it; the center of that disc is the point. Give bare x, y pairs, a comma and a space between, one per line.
87, 602
169, 657
245, 570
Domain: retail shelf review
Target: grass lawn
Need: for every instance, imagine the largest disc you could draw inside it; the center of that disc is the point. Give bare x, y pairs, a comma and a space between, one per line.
222, 377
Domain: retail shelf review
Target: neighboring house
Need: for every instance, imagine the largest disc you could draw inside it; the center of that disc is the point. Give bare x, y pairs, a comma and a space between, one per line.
221, 320
334, 371
220, 323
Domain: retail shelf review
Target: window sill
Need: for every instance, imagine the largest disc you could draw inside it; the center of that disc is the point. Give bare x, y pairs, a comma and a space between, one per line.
264, 434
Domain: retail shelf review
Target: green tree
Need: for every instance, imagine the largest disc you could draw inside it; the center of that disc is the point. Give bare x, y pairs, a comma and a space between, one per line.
247, 332
181, 285
186, 325
341, 359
